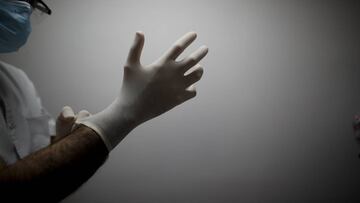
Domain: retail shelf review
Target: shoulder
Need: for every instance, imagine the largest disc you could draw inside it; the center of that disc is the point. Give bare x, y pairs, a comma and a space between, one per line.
23, 86
15, 74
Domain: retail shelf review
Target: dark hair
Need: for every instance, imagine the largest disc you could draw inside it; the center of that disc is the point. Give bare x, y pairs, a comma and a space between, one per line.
33, 2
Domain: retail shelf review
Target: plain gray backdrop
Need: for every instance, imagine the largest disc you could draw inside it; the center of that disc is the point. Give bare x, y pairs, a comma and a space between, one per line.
272, 121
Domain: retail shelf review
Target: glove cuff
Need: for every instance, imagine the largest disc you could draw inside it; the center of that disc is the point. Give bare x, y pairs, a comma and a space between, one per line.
97, 129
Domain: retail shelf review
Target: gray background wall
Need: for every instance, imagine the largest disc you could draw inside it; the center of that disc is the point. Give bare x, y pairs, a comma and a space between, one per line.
271, 122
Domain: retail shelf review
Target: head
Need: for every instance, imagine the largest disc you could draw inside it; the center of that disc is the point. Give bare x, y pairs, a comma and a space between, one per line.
15, 26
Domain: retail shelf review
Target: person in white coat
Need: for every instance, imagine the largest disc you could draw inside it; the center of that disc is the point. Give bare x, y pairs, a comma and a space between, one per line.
44, 160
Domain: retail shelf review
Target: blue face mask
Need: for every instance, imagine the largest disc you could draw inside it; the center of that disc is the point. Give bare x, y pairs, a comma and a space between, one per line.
15, 26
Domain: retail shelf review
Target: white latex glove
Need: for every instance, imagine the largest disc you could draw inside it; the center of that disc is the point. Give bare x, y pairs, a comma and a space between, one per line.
65, 120
148, 91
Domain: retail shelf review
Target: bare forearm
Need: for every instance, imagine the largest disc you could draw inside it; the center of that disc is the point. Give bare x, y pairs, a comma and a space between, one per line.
56, 171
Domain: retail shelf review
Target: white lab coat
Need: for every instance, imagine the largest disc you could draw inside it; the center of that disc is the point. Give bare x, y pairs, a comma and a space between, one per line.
25, 125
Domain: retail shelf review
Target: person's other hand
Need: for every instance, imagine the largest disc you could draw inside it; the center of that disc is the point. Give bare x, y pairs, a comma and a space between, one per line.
150, 90
65, 120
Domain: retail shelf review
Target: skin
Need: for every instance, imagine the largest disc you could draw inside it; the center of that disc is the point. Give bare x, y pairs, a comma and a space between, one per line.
51, 174
54, 172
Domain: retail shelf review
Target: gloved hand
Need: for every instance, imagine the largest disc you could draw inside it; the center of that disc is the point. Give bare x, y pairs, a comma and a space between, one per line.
64, 122
148, 91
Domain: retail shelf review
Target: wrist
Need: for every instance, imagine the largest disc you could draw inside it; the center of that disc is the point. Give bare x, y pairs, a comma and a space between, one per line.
112, 124
126, 112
